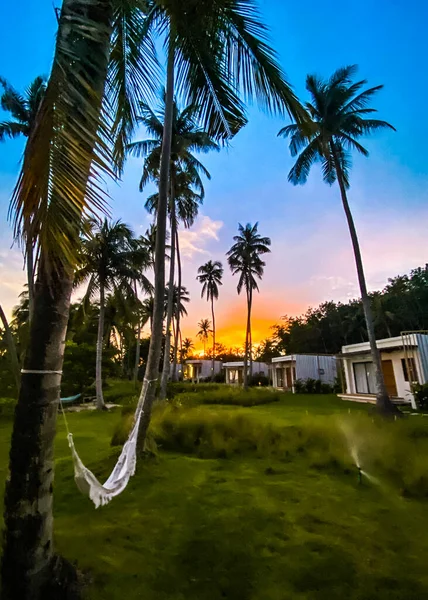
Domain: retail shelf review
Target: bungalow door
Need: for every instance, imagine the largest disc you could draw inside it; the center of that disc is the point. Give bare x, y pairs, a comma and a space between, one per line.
288, 378
389, 377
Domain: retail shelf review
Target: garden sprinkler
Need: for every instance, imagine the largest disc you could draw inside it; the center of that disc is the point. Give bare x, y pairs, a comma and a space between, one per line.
360, 475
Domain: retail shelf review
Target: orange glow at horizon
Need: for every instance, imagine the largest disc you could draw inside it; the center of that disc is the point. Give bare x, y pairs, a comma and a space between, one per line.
231, 331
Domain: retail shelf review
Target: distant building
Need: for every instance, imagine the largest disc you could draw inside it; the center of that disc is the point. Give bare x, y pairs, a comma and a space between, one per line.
235, 371
197, 369
287, 369
404, 364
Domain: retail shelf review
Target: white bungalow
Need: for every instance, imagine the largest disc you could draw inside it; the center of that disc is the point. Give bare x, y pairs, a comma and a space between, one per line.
287, 369
404, 363
197, 369
235, 371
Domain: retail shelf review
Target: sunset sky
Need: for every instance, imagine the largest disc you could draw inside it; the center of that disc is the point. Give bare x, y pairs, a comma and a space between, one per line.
311, 259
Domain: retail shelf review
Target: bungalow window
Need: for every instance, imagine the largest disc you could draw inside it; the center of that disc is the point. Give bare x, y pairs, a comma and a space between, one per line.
364, 378
409, 368
280, 377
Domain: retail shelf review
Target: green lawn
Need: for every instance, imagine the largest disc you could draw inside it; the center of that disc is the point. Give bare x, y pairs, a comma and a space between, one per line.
245, 528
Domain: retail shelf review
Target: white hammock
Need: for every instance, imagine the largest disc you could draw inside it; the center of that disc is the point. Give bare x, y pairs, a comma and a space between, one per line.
88, 484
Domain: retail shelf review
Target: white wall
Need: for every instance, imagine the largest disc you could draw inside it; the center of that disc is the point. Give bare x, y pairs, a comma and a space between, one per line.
403, 387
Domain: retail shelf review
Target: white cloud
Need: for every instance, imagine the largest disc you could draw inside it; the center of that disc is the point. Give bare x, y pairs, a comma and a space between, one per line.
194, 241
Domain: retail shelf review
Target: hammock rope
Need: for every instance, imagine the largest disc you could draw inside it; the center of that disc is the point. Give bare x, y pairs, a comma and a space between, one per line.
87, 483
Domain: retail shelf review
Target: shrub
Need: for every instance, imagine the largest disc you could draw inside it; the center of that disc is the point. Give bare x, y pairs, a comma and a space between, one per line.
313, 386
188, 387
220, 377
258, 379
421, 396
7, 407
231, 395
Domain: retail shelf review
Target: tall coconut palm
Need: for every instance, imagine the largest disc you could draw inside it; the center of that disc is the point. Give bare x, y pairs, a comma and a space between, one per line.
189, 194
109, 260
340, 114
244, 260
217, 55
23, 110
99, 58
142, 258
187, 137
204, 332
210, 275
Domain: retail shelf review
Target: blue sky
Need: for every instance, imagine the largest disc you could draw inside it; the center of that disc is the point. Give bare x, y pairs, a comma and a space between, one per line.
311, 258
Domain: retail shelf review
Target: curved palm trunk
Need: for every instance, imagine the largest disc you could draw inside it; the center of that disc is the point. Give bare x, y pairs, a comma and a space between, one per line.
383, 402
99, 358
11, 348
29, 564
138, 343
170, 305
152, 370
30, 568
177, 328
213, 318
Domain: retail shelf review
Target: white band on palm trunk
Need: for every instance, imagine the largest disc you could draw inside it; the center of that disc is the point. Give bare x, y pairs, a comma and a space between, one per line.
36, 372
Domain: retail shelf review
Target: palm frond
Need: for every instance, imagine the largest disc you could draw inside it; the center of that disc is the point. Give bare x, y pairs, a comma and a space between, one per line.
67, 151
11, 129
128, 81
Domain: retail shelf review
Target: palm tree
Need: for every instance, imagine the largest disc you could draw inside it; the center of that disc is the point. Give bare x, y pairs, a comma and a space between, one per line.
210, 275
204, 331
108, 263
189, 195
216, 54
187, 137
187, 347
102, 58
23, 110
339, 114
142, 259
244, 260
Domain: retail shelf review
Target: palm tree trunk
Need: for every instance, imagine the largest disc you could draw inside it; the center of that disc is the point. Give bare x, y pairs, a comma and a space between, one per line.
383, 402
11, 348
213, 318
247, 339
28, 561
30, 569
152, 370
30, 277
177, 329
251, 334
99, 358
170, 305
138, 342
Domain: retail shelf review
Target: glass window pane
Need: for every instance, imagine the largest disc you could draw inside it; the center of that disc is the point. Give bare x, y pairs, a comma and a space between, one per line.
360, 378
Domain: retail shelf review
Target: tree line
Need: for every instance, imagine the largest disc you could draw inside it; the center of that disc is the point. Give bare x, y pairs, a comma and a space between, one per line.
401, 306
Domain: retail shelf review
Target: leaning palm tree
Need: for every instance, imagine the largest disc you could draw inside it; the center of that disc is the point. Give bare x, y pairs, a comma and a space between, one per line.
244, 260
210, 275
186, 139
100, 58
217, 55
106, 263
339, 114
204, 331
23, 110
